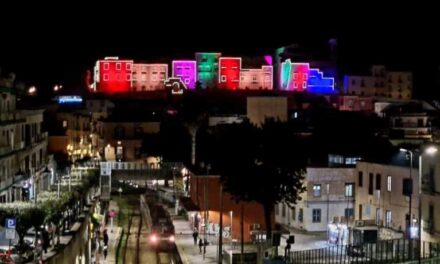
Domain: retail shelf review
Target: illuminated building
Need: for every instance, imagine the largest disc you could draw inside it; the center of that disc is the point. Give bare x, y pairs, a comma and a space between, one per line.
113, 75
186, 71
257, 78
149, 77
23, 148
300, 77
229, 73
207, 69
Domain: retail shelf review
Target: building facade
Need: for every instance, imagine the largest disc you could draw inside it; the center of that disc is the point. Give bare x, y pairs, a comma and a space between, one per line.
149, 77
381, 83
186, 71
113, 75
380, 197
23, 147
207, 69
329, 199
257, 79
229, 73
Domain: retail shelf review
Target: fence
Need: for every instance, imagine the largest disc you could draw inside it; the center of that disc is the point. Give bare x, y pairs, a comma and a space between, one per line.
385, 251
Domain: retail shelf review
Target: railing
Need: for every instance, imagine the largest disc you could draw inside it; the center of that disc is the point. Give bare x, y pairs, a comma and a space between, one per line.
384, 251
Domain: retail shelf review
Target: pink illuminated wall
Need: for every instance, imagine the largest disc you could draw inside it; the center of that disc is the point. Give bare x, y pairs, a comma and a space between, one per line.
255, 79
186, 71
229, 73
113, 75
149, 77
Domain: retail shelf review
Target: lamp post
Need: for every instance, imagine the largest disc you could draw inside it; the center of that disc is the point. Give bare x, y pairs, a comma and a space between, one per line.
408, 228
431, 150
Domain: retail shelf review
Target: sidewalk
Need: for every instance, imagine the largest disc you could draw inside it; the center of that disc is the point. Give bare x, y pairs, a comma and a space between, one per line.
190, 253
113, 238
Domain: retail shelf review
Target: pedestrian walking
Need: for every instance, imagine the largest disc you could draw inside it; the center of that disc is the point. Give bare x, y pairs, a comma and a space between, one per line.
105, 252
200, 245
195, 236
105, 236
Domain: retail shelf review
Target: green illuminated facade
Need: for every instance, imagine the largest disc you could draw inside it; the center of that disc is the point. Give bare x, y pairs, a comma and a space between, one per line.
207, 69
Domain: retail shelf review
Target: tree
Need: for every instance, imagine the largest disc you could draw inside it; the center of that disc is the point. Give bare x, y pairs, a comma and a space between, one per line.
27, 214
263, 164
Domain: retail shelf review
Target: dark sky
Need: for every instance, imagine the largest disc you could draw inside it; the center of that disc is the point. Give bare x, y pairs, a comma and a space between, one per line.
58, 46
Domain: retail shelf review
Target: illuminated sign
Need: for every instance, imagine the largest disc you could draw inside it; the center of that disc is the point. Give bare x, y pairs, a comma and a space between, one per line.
69, 99
175, 85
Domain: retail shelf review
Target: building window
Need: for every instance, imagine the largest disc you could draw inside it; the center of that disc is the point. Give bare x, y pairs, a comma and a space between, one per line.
388, 218
389, 183
283, 210
294, 213
118, 66
349, 190
316, 215
64, 123
300, 215
143, 77
128, 66
105, 77
360, 179
378, 181
370, 183
348, 213
223, 78
106, 66
317, 190
127, 77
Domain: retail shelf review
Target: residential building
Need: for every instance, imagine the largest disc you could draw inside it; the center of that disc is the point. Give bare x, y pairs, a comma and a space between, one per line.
121, 135
23, 147
380, 195
410, 122
381, 83
328, 199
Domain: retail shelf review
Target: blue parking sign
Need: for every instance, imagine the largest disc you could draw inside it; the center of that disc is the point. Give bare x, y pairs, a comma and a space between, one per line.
10, 223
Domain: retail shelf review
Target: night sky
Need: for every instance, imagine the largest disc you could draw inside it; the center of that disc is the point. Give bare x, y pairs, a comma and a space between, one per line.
58, 47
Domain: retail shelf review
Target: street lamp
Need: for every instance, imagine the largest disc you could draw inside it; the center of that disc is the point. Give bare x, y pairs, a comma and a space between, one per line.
431, 150
411, 154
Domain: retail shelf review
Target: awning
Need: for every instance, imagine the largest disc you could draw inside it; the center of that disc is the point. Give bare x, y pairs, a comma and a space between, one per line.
188, 204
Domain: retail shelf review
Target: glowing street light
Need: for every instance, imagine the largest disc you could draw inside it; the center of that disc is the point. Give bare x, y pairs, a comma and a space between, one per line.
32, 90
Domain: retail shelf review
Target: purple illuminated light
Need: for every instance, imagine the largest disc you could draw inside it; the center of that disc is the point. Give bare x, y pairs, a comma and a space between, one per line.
186, 71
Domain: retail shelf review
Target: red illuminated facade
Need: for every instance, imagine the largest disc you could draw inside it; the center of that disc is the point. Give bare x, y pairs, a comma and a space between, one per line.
113, 75
229, 73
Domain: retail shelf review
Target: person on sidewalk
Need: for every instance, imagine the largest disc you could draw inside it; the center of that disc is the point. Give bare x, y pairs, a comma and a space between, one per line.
105, 237
105, 252
195, 236
200, 245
